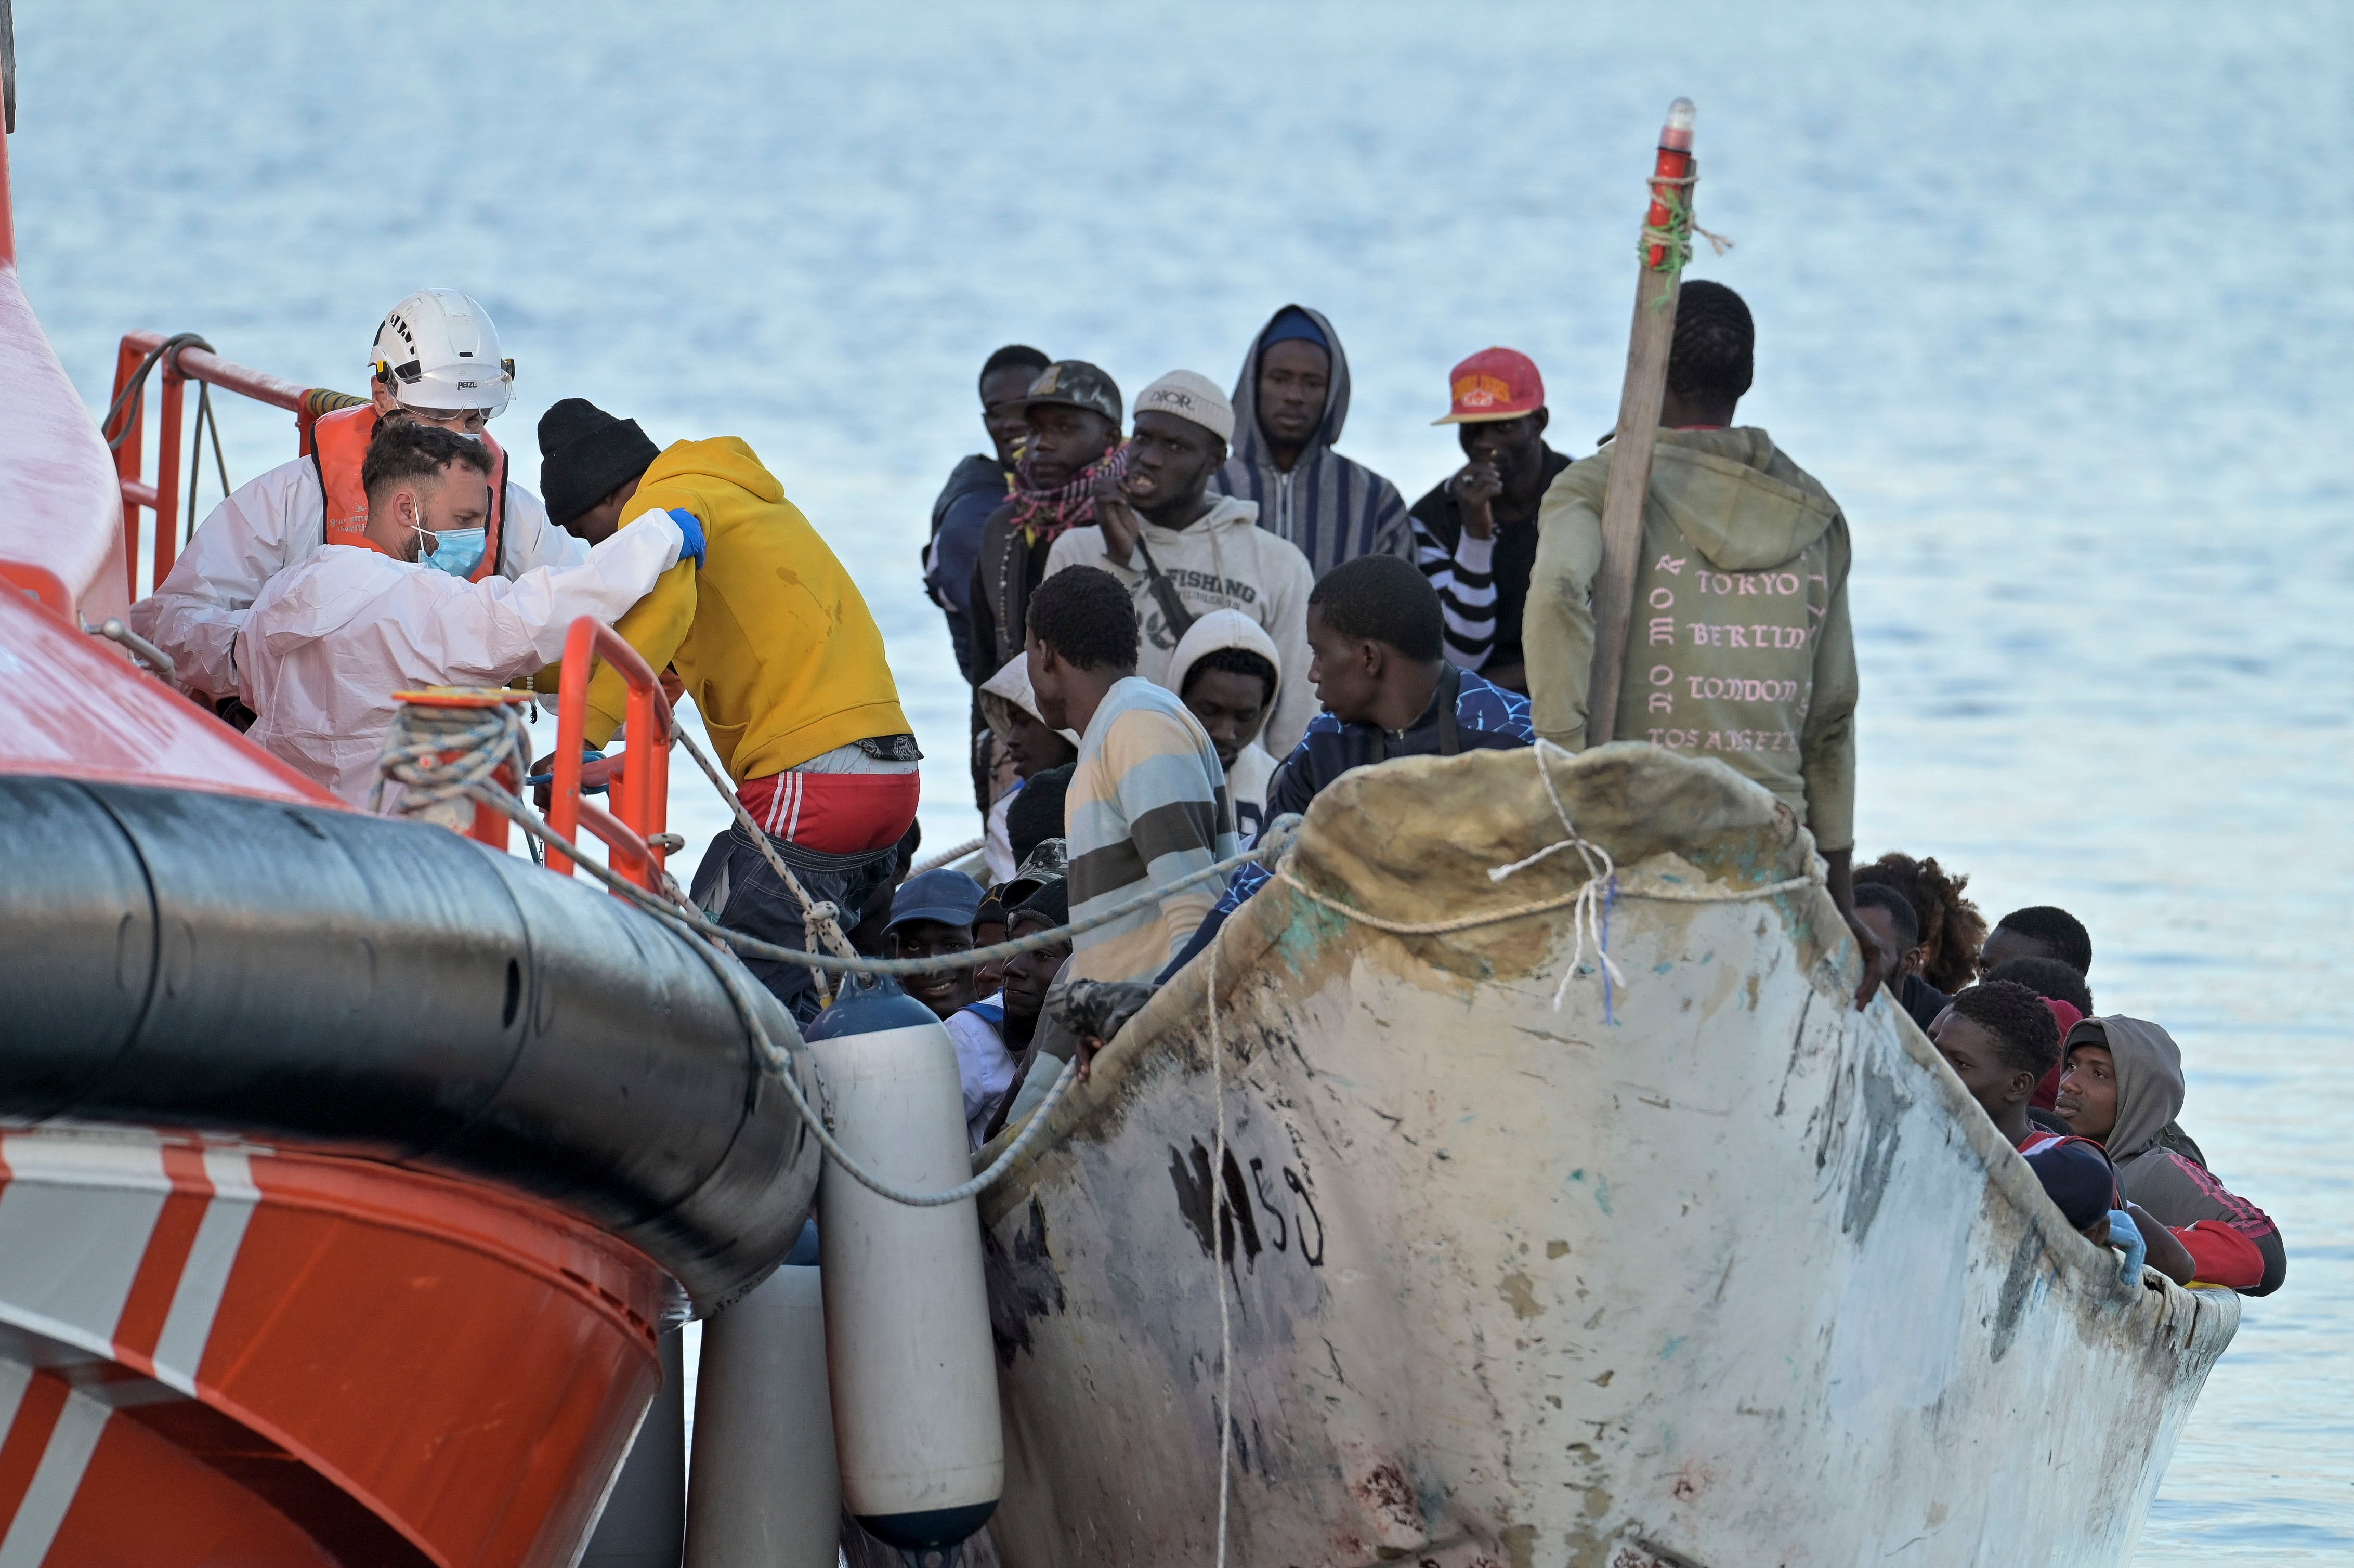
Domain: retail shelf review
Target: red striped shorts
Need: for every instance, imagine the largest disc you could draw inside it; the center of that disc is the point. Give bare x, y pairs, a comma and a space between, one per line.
834, 813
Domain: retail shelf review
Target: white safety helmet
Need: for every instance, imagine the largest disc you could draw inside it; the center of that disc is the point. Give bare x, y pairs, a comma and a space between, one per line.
440, 351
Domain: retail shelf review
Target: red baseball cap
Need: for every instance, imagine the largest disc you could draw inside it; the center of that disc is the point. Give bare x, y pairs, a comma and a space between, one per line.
1494, 383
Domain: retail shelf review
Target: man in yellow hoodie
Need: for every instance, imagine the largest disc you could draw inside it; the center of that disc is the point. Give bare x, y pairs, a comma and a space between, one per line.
775, 646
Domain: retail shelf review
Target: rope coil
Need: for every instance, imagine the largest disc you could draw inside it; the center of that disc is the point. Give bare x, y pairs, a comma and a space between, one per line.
441, 756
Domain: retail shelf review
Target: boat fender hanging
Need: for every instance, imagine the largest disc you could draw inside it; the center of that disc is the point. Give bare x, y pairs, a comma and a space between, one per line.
908, 1353
764, 1489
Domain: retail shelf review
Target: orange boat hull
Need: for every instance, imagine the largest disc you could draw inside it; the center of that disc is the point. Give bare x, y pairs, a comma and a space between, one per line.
212, 1351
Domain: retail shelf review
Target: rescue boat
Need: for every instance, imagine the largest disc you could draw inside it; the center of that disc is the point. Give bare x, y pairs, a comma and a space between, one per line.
350, 1169
1522, 1263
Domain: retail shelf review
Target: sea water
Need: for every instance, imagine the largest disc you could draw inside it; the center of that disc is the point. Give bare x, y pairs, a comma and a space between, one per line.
2056, 298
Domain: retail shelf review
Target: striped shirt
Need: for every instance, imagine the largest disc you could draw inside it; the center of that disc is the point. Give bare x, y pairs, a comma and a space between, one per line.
1484, 584
1146, 805
1466, 581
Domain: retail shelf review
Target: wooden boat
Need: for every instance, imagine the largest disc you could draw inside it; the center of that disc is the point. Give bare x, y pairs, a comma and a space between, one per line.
1707, 1269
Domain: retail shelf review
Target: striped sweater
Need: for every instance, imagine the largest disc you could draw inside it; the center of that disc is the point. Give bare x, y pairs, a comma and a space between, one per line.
1147, 804
1484, 584
1334, 509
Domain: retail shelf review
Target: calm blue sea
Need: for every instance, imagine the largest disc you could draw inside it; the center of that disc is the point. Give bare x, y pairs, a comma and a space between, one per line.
2056, 299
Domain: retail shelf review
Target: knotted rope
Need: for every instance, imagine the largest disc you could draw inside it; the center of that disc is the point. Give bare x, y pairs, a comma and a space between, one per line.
441, 756
1590, 900
821, 922
1673, 237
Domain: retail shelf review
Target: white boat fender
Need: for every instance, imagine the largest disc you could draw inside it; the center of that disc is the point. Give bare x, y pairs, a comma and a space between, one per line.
765, 1487
912, 1369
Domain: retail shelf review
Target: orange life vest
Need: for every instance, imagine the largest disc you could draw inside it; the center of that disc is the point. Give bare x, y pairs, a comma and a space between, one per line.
339, 444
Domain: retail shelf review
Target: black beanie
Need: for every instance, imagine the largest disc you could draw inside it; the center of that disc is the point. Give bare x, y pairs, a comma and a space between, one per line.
1052, 903
585, 455
1036, 813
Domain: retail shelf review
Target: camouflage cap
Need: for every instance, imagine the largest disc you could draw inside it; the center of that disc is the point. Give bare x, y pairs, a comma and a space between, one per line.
1076, 384
1047, 863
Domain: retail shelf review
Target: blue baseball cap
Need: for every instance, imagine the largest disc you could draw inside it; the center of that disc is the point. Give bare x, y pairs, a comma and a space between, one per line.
951, 897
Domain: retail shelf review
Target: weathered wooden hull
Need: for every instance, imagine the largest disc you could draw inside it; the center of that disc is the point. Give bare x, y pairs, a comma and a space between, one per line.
1728, 1273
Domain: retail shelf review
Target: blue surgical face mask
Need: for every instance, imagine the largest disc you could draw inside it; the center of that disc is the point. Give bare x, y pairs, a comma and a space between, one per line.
457, 551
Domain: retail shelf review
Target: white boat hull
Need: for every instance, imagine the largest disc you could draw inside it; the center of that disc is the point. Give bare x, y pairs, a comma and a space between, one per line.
1732, 1273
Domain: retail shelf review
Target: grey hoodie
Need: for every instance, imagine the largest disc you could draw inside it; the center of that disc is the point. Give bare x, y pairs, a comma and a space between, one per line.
2178, 1190
1738, 646
1220, 561
1253, 768
1333, 509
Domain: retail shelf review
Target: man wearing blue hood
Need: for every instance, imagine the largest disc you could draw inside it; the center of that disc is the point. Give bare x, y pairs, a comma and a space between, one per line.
1289, 404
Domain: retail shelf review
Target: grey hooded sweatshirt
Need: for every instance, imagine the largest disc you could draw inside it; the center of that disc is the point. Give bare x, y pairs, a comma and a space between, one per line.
1252, 768
1221, 561
1333, 509
2144, 1146
1738, 646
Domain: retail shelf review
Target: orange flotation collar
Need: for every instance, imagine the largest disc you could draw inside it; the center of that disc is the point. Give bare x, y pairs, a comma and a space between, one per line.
339, 444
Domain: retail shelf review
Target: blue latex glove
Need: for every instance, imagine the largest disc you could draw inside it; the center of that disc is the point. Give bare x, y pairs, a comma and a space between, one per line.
2124, 1233
587, 755
691, 526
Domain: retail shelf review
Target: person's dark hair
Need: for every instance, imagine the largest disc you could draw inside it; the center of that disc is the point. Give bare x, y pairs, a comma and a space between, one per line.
1036, 814
1086, 618
1381, 598
2047, 977
1712, 355
2015, 1016
1901, 918
1015, 357
1952, 929
2056, 929
1233, 661
407, 448
1051, 903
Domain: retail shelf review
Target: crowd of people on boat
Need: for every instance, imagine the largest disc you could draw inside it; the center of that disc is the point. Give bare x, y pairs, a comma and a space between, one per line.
2094, 1102
1180, 620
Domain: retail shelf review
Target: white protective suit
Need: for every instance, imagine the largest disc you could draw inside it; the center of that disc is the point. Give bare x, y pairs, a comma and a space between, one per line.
264, 527
327, 643
1253, 765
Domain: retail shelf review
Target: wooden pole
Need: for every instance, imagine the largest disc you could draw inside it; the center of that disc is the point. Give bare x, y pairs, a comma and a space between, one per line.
1667, 232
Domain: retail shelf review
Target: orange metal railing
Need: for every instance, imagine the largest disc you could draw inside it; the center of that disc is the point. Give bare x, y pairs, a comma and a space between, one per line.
127, 432
634, 830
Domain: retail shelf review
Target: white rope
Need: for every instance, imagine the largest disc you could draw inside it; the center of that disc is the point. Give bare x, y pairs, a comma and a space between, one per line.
1218, 1262
1586, 902
946, 857
440, 755
1601, 876
733, 978
820, 923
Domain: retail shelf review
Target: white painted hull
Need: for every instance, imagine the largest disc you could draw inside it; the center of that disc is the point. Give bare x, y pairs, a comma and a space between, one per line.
1734, 1276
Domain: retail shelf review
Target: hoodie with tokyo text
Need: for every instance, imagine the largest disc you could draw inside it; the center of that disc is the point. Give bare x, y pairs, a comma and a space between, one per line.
1738, 645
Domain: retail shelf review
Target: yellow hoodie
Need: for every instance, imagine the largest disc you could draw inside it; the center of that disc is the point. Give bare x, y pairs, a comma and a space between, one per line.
771, 637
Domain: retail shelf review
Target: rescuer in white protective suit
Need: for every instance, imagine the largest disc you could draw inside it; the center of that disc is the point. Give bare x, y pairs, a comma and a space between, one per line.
328, 642
436, 359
